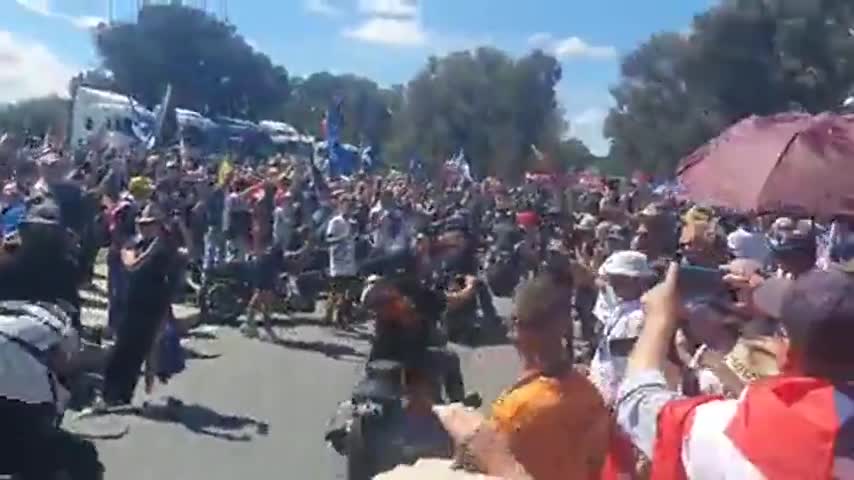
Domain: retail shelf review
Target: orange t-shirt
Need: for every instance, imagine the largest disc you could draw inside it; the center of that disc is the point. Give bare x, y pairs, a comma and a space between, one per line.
558, 427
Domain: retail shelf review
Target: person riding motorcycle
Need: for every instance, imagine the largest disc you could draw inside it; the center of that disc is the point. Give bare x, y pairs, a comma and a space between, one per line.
455, 257
38, 347
406, 329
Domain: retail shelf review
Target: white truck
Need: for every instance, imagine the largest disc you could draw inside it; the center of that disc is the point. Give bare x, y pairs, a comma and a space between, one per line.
95, 110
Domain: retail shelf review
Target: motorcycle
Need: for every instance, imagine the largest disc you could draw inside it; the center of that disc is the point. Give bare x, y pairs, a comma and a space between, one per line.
376, 433
225, 293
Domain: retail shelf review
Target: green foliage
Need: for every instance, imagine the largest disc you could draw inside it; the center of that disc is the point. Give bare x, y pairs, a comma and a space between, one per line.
36, 116
486, 102
743, 57
493, 105
367, 108
211, 68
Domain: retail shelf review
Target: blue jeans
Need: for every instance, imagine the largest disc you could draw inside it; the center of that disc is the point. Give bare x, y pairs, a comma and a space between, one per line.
237, 249
214, 249
117, 289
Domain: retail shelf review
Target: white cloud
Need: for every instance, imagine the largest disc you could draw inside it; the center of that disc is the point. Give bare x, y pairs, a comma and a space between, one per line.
29, 69
571, 47
322, 7
85, 22
586, 126
540, 39
43, 7
389, 31
574, 47
390, 8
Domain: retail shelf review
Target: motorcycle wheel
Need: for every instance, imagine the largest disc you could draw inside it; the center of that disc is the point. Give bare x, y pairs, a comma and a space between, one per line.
360, 465
222, 303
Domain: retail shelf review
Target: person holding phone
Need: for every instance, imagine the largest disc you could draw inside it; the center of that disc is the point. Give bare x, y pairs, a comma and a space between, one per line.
624, 277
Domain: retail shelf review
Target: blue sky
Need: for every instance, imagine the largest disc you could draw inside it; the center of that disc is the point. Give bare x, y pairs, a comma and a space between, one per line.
44, 42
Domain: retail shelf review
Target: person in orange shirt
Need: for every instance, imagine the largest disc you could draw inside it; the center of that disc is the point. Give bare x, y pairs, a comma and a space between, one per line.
555, 422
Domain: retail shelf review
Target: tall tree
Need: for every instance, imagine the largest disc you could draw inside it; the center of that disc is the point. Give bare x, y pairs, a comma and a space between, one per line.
367, 108
212, 69
493, 106
36, 116
743, 57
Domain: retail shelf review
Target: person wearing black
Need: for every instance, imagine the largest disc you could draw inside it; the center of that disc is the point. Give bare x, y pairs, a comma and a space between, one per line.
149, 264
77, 214
456, 255
42, 245
406, 313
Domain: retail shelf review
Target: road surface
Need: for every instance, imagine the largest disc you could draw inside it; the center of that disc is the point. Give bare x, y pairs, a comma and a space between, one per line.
260, 409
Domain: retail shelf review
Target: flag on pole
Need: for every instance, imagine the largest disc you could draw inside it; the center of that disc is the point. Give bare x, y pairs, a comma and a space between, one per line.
459, 164
416, 167
368, 159
341, 161
160, 115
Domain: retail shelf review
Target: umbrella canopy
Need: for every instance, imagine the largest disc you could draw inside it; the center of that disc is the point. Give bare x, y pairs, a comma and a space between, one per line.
792, 162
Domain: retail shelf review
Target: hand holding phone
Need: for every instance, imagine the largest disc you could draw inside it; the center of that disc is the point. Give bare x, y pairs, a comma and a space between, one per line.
694, 281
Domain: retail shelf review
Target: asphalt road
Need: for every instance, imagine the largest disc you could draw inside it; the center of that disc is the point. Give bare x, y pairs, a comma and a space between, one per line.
259, 410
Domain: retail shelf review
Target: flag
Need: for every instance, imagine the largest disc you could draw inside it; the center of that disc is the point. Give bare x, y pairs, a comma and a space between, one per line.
459, 164
141, 127
782, 427
416, 167
46, 141
341, 161
368, 158
537, 153
160, 115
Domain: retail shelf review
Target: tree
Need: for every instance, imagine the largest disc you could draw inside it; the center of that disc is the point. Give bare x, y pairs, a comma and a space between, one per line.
573, 154
367, 108
743, 57
210, 67
484, 101
36, 117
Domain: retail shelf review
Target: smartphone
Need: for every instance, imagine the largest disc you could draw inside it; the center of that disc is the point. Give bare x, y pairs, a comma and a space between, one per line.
697, 281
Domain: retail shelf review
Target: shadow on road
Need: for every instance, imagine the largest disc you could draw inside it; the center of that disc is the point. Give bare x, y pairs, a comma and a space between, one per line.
354, 334
335, 351
204, 420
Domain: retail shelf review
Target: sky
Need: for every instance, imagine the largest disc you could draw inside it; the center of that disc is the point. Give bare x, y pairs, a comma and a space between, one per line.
43, 43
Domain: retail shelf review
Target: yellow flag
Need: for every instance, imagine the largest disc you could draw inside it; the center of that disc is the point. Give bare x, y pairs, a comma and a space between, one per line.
225, 169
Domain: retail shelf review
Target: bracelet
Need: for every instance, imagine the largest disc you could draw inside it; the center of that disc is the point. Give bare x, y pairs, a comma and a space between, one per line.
695, 360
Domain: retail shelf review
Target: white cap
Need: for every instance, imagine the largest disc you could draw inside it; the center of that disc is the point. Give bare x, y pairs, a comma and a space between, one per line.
627, 263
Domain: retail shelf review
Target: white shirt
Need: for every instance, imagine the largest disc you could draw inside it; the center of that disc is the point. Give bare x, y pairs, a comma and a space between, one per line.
752, 245
606, 369
342, 253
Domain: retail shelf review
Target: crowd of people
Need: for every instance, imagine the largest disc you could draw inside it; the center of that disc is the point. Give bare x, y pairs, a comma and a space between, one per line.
658, 339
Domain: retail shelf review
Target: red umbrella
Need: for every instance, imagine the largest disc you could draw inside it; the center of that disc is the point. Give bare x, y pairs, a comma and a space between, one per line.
792, 162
